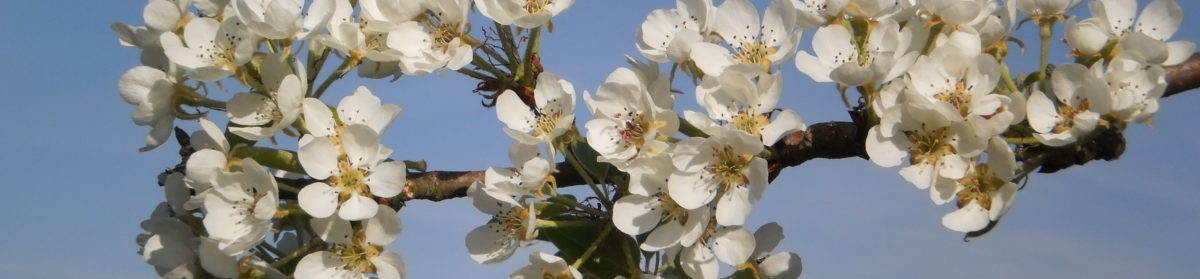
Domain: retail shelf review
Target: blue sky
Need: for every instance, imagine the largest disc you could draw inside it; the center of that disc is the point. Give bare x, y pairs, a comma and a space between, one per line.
76, 187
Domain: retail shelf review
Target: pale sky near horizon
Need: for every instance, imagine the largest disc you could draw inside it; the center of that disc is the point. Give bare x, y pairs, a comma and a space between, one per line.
76, 187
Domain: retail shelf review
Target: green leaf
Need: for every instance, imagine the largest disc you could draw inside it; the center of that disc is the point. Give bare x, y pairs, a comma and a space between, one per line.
608, 261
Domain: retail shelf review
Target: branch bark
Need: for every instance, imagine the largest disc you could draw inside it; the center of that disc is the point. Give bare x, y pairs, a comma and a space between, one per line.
826, 140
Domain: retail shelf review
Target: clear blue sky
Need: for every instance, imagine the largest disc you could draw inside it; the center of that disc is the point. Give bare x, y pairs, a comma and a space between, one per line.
76, 187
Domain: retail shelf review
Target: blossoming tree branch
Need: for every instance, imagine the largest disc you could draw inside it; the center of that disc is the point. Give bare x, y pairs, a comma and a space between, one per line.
927, 84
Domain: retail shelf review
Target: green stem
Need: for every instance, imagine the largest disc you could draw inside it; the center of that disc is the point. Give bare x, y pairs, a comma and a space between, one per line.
576, 204
690, 130
275, 158
315, 64
570, 155
335, 75
478, 61
933, 31
1006, 75
508, 43
531, 50
1045, 31
595, 244
546, 224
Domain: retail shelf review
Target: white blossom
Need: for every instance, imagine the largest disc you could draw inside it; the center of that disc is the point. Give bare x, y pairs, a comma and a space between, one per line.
543, 265
767, 44
721, 168
527, 14
210, 50
151, 91
1080, 100
838, 60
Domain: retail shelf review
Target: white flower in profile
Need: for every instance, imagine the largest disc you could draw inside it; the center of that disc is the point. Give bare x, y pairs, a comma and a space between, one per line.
220, 265
1159, 21
1086, 37
767, 44
543, 265
240, 207
382, 16
168, 244
355, 38
356, 253
960, 82
668, 35
533, 171
838, 60
210, 50
987, 190
697, 261
159, 16
649, 208
744, 98
205, 166
526, 14
1135, 88
348, 159
1080, 99
283, 19
777, 265
512, 224
722, 168
259, 115
937, 148
812, 14
436, 43
626, 124
552, 114
151, 91
1045, 8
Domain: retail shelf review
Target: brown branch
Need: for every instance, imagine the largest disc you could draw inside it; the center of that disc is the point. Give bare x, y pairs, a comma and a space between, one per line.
827, 140
1183, 77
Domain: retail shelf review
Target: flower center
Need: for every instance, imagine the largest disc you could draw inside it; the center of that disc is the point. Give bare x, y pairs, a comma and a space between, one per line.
547, 121
929, 146
515, 222
357, 256
728, 167
537, 6
1067, 115
756, 53
978, 186
959, 97
750, 123
351, 180
444, 34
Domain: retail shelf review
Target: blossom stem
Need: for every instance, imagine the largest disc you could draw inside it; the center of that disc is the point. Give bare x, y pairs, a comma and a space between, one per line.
478, 61
1045, 31
509, 45
1006, 75
532, 50
336, 75
595, 244
473, 74
690, 130
933, 31
544, 224
275, 158
315, 63
570, 155
576, 204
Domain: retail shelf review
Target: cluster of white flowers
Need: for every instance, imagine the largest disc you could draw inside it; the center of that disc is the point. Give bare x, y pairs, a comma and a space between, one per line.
933, 83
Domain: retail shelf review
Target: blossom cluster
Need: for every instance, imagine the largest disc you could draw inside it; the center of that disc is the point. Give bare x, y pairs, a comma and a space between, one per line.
932, 80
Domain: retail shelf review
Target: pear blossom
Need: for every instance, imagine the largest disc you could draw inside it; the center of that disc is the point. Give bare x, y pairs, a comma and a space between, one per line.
355, 39
526, 14
210, 50
283, 19
871, 9
777, 265
812, 14
220, 265
626, 124
722, 168
1135, 88
1045, 8
512, 224
262, 114
736, 99
837, 59
347, 159
987, 191
959, 12
668, 35
1159, 21
960, 82
532, 171
543, 265
356, 253
168, 244
151, 92
429, 45
553, 111
937, 148
1080, 99
159, 16
766, 45
206, 166
649, 208
382, 16
239, 211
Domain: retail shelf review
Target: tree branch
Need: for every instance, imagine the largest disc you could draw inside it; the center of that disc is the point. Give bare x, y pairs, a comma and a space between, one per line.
826, 140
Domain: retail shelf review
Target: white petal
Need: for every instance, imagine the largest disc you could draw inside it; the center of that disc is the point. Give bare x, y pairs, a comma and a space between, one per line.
967, 219
389, 265
387, 179
665, 236
319, 158
636, 214
383, 228
358, 207
332, 229
318, 199
692, 190
488, 244
733, 245
699, 262
766, 238
782, 265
